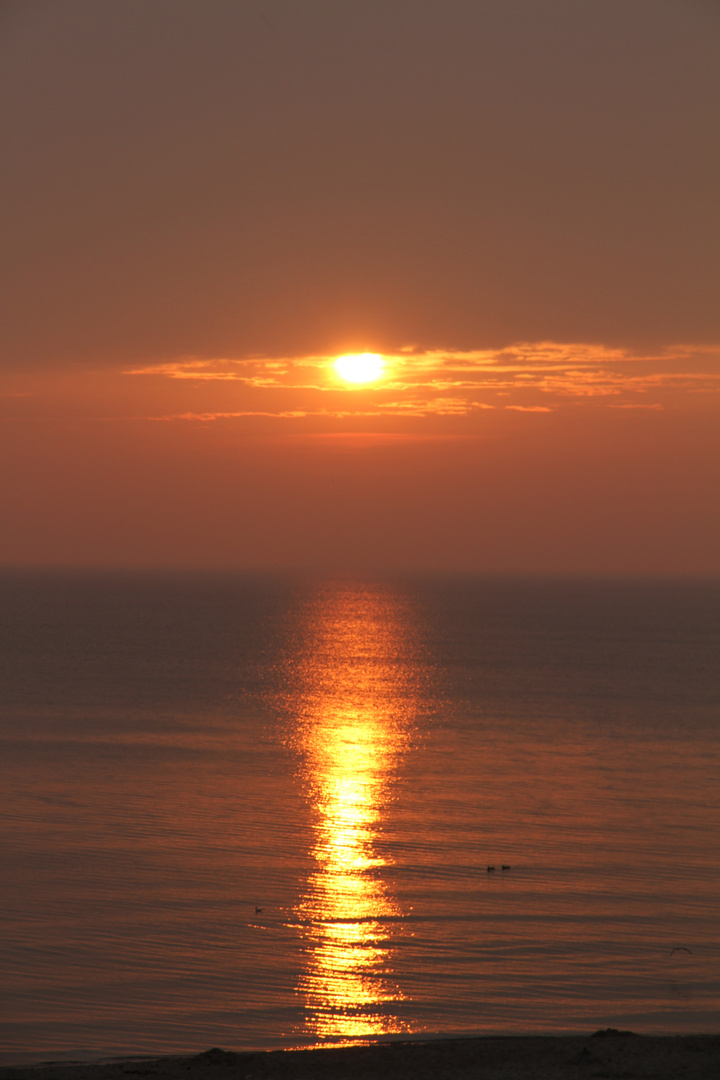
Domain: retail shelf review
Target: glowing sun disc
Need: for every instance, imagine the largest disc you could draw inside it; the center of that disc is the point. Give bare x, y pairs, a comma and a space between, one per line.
360, 367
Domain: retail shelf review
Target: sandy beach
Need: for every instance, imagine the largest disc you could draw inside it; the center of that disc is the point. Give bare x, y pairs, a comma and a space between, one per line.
605, 1054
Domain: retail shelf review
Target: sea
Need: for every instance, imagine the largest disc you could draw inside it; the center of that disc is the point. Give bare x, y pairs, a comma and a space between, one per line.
256, 811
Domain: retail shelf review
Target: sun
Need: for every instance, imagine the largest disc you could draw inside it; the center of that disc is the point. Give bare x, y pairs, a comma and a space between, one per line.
360, 367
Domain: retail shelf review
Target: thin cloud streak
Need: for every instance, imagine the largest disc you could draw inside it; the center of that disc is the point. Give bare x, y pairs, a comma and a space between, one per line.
537, 377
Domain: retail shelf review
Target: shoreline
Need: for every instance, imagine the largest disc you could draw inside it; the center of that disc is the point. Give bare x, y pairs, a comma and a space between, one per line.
607, 1054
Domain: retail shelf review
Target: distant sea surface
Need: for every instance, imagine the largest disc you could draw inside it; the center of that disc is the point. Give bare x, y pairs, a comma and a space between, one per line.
263, 812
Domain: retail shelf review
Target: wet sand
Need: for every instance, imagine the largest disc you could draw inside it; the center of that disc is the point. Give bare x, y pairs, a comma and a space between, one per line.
607, 1054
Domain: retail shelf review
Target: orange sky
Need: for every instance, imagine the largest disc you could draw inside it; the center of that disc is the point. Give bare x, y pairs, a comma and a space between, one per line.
514, 202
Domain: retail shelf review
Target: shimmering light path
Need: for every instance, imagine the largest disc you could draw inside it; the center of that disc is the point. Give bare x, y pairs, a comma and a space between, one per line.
356, 709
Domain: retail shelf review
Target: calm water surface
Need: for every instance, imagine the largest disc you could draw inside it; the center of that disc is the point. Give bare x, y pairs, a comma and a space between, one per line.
260, 812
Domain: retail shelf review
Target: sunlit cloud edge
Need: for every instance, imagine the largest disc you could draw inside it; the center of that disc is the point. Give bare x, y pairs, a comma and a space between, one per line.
449, 382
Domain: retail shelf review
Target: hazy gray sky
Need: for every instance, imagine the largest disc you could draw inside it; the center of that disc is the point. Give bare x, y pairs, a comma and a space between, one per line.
285, 176
516, 202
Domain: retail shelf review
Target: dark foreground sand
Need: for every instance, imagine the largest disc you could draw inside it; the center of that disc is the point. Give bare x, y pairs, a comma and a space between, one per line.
606, 1054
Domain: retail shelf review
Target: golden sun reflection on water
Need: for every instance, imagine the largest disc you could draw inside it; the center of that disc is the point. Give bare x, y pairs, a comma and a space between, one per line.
355, 717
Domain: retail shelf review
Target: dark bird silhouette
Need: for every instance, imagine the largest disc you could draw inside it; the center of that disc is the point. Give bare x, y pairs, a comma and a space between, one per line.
258, 910
490, 869
505, 867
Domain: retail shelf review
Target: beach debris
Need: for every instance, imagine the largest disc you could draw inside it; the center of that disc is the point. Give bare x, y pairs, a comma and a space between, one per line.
216, 1056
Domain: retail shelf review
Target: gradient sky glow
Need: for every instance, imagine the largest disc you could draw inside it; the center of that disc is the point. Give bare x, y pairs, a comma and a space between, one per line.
514, 202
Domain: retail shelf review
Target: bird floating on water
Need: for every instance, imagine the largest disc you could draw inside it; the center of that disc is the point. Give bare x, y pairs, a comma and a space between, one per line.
258, 910
680, 948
